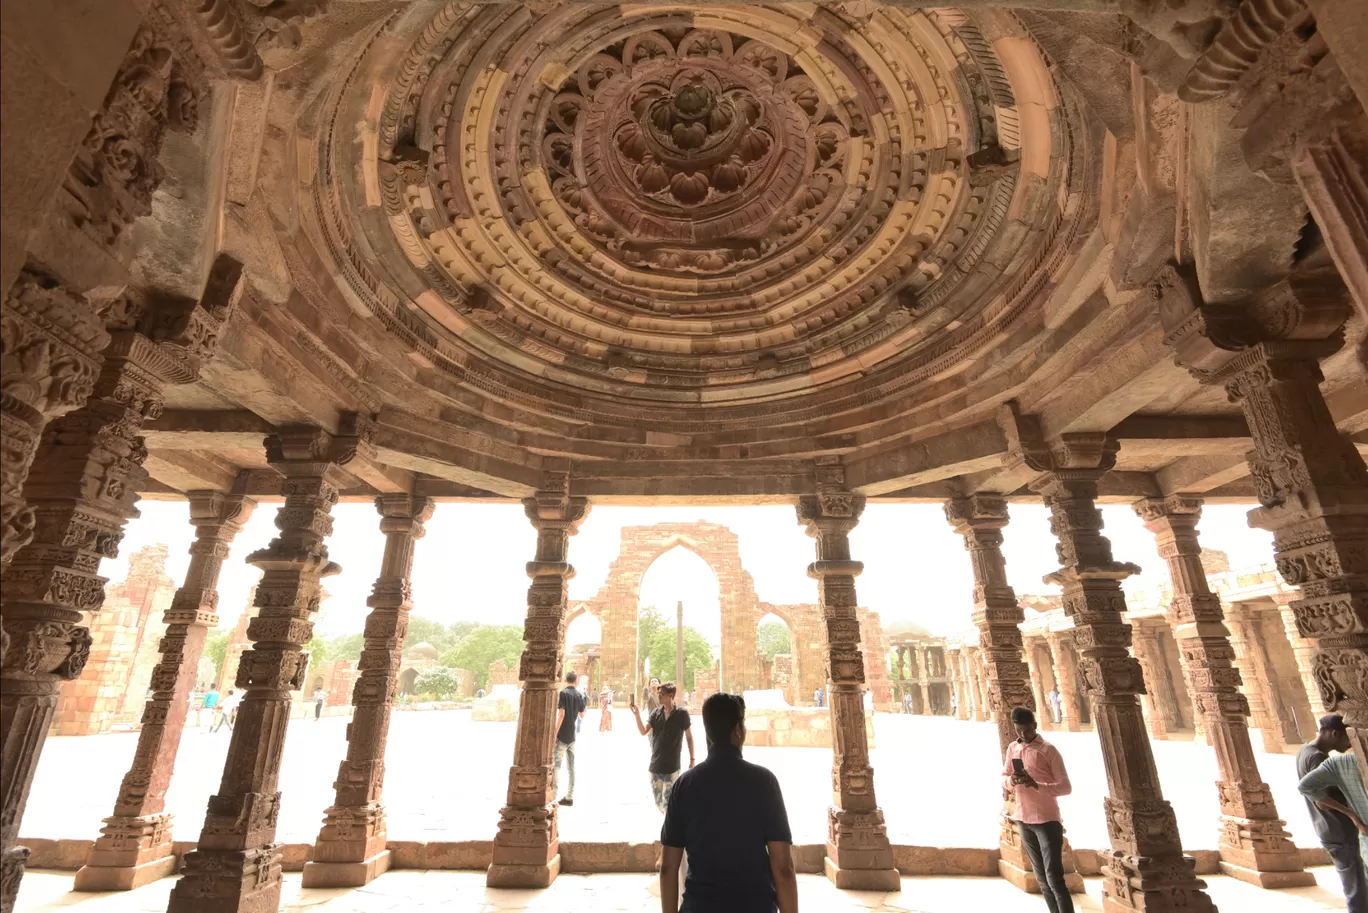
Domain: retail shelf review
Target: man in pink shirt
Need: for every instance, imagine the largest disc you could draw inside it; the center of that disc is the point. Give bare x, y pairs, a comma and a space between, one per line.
1034, 770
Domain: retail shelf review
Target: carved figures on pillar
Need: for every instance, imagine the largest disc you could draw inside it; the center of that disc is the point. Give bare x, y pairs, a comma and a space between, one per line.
351, 846
82, 490
236, 865
1310, 480
527, 846
858, 851
1146, 869
979, 519
52, 339
1254, 845
135, 843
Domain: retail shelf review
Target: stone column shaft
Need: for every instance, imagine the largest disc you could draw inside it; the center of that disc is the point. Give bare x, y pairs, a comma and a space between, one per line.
1305, 656
1146, 869
1254, 686
858, 852
1045, 716
1146, 651
235, 867
82, 490
350, 850
135, 844
1254, 843
1064, 679
527, 845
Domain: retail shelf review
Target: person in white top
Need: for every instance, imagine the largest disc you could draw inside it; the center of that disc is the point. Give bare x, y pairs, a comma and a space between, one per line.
227, 709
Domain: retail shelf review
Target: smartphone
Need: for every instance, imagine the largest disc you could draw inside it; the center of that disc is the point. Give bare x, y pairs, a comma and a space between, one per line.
1018, 767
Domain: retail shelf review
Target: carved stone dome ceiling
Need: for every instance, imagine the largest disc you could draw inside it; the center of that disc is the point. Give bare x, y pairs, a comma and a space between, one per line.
702, 218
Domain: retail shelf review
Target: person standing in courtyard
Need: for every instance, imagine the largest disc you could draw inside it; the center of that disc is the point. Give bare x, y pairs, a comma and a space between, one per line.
1034, 770
569, 711
211, 700
817, 697
907, 702
651, 697
318, 696
226, 708
667, 726
1333, 787
1053, 700
729, 815
606, 709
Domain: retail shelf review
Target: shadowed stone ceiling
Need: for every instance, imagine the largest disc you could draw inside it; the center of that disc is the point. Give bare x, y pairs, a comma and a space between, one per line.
716, 222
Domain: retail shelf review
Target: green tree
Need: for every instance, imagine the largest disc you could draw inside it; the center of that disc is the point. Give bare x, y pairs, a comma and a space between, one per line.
697, 655
484, 645
772, 638
317, 648
348, 646
216, 648
422, 630
460, 630
438, 681
650, 622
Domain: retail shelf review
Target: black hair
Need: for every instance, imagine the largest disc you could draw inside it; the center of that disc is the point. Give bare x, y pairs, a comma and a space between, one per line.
1023, 717
667, 688
721, 714
571, 677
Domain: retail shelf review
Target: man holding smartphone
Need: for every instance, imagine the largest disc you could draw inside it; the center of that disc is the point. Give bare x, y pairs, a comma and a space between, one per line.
1034, 770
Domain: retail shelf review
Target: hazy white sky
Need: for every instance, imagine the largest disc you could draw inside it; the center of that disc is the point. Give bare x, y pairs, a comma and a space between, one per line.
471, 563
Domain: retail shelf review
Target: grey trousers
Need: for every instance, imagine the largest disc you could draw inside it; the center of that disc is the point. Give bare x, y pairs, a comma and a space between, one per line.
1044, 845
567, 753
1349, 865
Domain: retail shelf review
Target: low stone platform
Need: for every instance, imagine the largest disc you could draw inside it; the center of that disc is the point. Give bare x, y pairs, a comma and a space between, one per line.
419, 891
800, 727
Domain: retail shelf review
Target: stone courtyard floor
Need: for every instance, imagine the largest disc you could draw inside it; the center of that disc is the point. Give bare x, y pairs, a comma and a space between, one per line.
465, 892
446, 777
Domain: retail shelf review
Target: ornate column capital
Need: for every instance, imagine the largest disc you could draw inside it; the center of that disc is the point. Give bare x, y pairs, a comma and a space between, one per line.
1178, 508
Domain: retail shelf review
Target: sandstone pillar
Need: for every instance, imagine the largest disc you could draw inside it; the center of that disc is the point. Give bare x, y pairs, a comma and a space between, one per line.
350, 850
1146, 651
527, 846
1304, 653
1045, 716
236, 866
998, 616
1146, 869
858, 855
1071, 712
1311, 482
134, 847
956, 661
1254, 687
81, 491
1254, 845
50, 359
976, 673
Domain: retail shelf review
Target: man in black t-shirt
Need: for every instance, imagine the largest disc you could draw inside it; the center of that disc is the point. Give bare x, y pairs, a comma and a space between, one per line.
1336, 832
729, 814
570, 708
667, 726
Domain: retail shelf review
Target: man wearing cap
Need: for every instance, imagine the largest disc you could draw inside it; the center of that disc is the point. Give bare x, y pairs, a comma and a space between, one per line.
1333, 787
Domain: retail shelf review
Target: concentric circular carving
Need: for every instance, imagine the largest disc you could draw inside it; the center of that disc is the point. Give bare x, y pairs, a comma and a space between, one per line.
737, 216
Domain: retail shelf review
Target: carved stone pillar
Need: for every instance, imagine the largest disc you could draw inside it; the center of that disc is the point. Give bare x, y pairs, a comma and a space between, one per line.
1064, 679
50, 359
1146, 651
350, 850
1253, 687
82, 490
135, 844
1304, 653
956, 660
998, 616
1045, 716
858, 855
527, 846
236, 866
1146, 869
1310, 480
975, 663
1254, 845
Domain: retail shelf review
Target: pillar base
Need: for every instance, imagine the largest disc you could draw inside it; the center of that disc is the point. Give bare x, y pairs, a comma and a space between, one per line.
862, 879
229, 881
11, 872
346, 874
123, 877
507, 875
1025, 879
1298, 879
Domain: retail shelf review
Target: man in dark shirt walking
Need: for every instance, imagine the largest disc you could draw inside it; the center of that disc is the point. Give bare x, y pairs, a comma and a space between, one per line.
729, 814
1337, 833
667, 726
569, 710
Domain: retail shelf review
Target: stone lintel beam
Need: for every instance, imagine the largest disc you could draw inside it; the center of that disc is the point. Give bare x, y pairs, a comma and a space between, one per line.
858, 852
186, 471
973, 448
1200, 474
1172, 429
505, 472
206, 429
